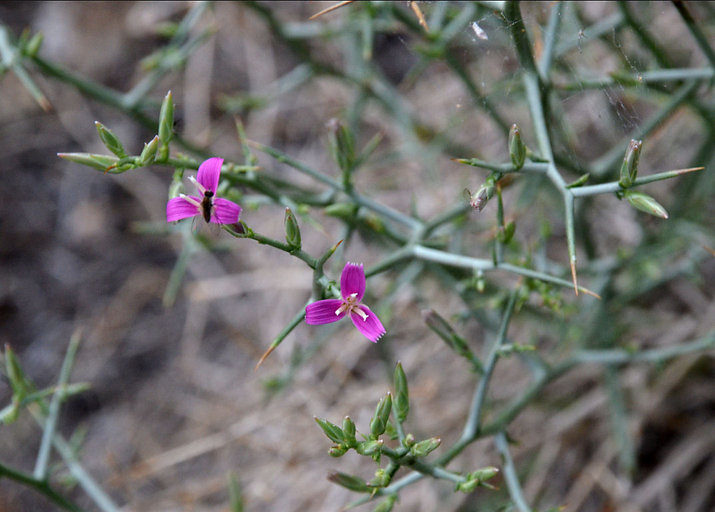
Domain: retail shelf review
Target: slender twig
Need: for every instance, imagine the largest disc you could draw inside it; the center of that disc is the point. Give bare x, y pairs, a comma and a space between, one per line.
550, 36
40, 486
39, 411
608, 188
512, 480
457, 260
43, 454
647, 77
471, 426
695, 30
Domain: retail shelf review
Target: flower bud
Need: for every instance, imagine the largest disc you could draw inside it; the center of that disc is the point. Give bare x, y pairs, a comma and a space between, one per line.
423, 448
517, 149
408, 441
166, 125
337, 450
382, 416
99, 162
442, 329
10, 413
350, 482
479, 199
340, 210
292, 230
342, 145
629, 168
34, 44
110, 140
382, 479
485, 473
149, 152
580, 181
401, 402
477, 478
331, 430
369, 447
646, 203
14, 372
505, 235
349, 431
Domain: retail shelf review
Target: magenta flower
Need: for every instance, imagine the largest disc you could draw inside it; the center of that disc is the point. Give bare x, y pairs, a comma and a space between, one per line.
352, 288
207, 205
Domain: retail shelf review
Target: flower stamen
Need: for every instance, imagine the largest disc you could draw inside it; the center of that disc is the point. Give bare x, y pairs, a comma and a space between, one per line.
189, 199
363, 315
198, 185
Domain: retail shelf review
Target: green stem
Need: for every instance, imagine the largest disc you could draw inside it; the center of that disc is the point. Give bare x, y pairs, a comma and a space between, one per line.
471, 427
90, 486
695, 30
41, 486
617, 406
264, 240
512, 480
647, 77
43, 454
528, 167
457, 260
611, 187
653, 355
550, 37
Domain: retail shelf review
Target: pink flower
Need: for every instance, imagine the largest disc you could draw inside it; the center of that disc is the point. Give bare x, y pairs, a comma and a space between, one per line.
207, 205
352, 288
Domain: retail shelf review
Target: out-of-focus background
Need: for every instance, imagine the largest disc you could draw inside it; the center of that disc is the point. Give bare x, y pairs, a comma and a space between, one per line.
175, 404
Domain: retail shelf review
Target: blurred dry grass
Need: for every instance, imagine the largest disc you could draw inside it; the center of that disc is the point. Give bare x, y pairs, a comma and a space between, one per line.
175, 404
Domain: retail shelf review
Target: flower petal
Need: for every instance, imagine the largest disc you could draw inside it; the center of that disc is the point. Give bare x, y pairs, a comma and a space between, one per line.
352, 280
209, 173
371, 327
323, 312
179, 208
225, 211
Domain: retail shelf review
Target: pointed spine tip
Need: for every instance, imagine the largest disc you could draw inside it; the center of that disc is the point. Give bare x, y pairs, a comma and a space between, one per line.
263, 357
